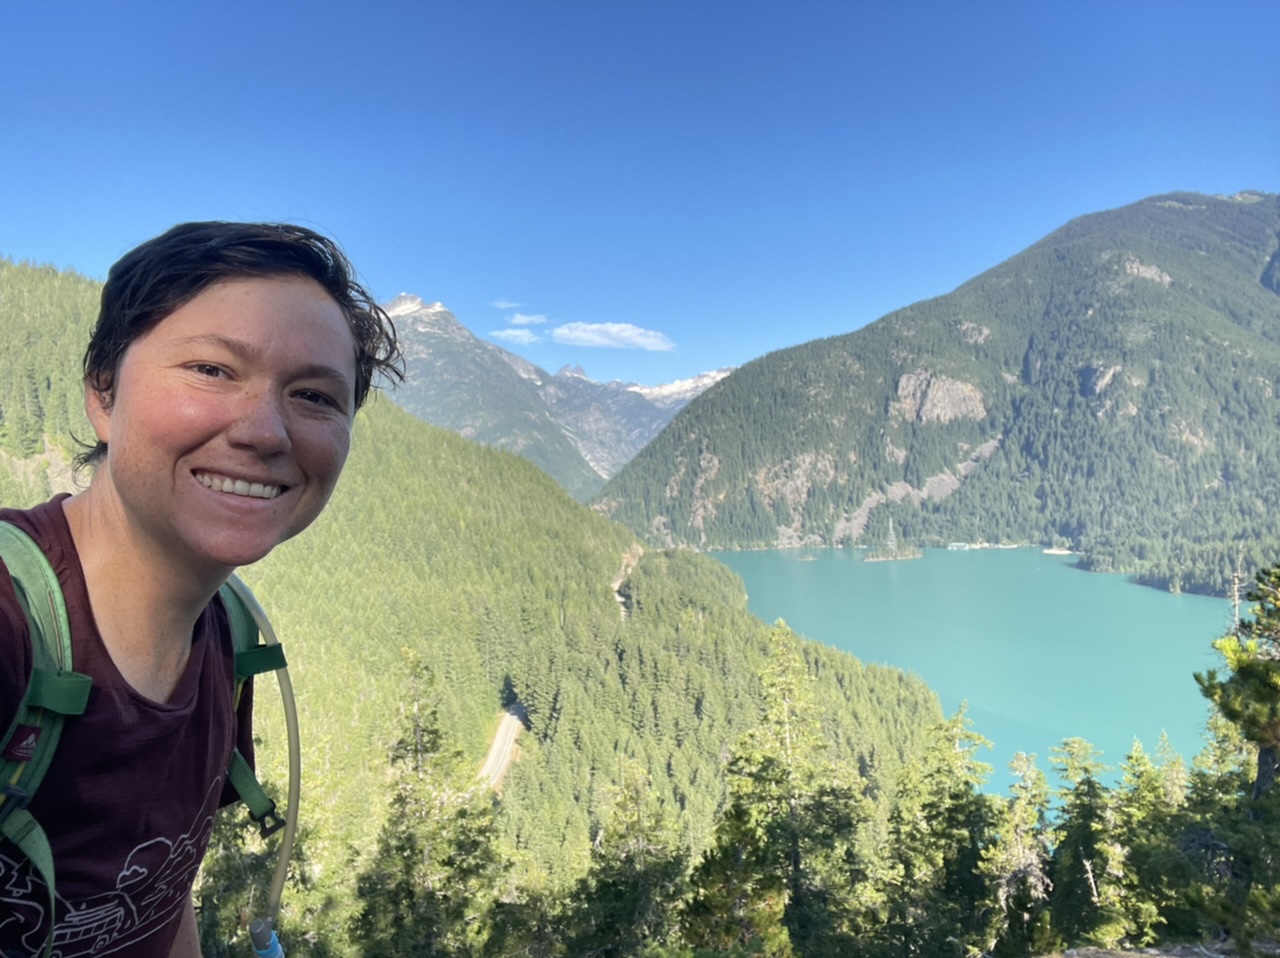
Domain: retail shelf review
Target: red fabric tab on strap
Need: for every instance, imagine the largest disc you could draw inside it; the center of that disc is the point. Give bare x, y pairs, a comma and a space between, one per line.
22, 745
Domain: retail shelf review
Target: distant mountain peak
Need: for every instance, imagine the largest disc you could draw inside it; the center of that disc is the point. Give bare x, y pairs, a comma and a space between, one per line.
414, 316
578, 430
682, 390
407, 303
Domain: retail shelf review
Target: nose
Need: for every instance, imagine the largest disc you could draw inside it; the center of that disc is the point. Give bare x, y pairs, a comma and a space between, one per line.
261, 424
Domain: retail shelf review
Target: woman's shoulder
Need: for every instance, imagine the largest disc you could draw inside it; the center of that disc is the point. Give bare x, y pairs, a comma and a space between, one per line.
47, 526
15, 643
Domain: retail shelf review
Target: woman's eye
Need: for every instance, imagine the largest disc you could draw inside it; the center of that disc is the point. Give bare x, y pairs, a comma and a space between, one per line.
206, 369
315, 398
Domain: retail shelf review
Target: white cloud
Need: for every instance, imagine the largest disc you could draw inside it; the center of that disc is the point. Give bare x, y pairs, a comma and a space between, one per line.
521, 337
504, 304
524, 319
612, 335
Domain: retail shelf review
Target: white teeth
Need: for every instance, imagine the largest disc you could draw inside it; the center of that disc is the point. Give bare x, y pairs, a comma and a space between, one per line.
238, 487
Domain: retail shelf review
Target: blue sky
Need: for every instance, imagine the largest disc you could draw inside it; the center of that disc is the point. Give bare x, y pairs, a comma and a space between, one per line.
647, 189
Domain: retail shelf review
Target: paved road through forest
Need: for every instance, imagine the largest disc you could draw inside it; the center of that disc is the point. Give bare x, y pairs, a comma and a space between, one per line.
498, 760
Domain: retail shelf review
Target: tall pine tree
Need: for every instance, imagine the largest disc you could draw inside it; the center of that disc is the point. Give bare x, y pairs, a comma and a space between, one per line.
637, 878
938, 829
1088, 861
772, 880
1249, 698
430, 887
1016, 866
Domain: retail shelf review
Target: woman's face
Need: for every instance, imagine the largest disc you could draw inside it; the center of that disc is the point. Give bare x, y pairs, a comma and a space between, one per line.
229, 421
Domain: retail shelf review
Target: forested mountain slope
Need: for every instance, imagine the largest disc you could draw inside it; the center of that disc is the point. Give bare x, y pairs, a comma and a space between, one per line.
472, 562
1111, 389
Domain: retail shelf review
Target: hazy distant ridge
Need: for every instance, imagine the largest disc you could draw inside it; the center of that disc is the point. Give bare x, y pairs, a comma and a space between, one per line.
578, 431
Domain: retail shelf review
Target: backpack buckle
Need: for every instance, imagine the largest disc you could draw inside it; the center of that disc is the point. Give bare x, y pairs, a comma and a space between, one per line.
269, 822
19, 796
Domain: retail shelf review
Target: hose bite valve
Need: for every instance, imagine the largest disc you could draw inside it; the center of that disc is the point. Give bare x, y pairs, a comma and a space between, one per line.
265, 942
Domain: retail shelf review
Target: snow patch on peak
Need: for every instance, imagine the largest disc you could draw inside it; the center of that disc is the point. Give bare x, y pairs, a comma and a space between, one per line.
407, 303
682, 390
419, 324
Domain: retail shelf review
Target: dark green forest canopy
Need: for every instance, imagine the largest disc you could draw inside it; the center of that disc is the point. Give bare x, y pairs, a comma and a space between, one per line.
510, 593
1111, 389
45, 318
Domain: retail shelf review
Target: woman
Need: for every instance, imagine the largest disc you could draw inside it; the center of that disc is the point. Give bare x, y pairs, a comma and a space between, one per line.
221, 380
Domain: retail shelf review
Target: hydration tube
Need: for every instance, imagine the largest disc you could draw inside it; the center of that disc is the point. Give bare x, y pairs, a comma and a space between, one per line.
265, 942
261, 930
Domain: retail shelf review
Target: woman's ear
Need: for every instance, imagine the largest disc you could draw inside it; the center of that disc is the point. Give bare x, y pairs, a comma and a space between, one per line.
97, 406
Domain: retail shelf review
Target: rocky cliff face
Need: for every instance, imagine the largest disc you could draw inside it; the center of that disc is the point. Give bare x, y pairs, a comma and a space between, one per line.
608, 422
928, 397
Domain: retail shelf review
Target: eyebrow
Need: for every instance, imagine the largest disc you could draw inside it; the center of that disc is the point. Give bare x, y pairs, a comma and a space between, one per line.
244, 350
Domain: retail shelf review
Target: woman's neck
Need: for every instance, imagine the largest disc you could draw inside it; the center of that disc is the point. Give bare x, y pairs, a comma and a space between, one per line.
145, 606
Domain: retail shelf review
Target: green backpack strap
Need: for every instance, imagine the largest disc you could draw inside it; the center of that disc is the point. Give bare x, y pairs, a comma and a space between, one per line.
53, 692
251, 659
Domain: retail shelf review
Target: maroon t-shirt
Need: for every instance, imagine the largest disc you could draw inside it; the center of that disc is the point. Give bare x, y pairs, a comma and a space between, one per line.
129, 799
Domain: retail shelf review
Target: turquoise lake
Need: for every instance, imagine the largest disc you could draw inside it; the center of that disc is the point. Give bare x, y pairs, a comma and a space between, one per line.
1039, 649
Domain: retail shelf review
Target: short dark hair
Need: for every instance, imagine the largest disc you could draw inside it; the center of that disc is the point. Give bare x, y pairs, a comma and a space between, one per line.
156, 278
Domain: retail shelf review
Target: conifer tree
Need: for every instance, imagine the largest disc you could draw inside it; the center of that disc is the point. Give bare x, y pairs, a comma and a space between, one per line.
637, 878
1016, 865
430, 887
938, 828
1216, 797
1249, 698
1088, 861
1147, 804
770, 879
739, 893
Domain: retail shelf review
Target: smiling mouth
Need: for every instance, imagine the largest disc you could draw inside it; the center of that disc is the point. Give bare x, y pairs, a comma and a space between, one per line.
238, 487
